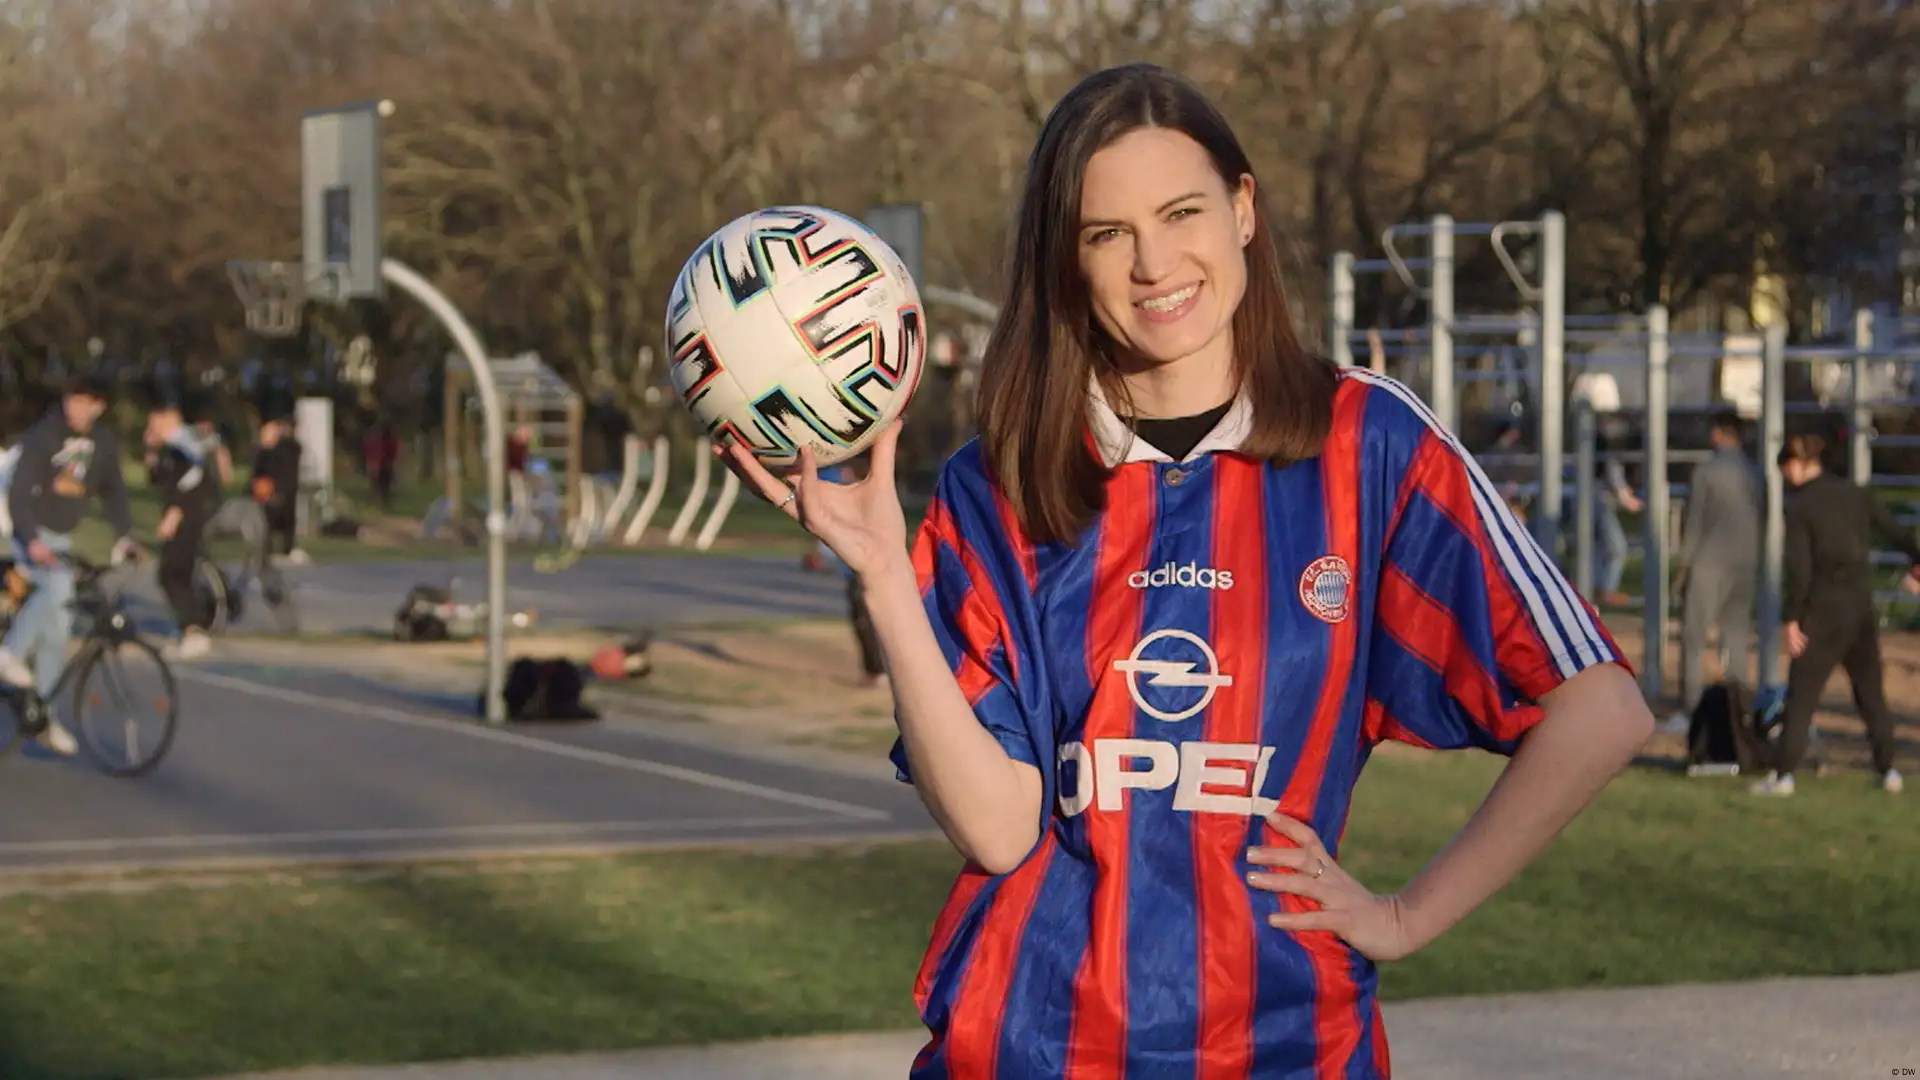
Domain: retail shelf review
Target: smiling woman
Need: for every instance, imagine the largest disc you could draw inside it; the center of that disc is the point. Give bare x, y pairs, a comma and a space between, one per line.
1142, 263
1160, 613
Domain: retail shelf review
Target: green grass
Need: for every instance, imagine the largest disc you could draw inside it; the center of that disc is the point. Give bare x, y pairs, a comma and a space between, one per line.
1665, 880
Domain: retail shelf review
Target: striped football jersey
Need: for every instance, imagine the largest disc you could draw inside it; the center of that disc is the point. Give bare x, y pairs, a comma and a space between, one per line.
1227, 638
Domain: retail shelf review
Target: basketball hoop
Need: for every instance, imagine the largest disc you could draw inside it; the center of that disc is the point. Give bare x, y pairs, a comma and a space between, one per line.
275, 295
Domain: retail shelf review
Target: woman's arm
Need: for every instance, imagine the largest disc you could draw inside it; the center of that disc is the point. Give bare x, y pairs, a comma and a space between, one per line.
987, 803
1594, 724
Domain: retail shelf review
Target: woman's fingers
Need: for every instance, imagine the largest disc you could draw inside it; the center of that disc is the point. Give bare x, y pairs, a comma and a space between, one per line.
1285, 858
742, 461
1299, 832
880, 463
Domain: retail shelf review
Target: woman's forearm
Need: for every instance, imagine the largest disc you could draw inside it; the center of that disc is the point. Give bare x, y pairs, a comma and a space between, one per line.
1594, 724
987, 803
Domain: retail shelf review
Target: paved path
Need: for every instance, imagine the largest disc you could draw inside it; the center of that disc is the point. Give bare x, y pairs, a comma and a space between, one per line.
1808, 1029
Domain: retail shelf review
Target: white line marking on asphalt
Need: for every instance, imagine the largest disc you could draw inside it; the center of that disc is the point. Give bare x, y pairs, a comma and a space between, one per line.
539, 746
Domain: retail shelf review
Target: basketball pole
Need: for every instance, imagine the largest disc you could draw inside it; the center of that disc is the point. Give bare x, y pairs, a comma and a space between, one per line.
402, 277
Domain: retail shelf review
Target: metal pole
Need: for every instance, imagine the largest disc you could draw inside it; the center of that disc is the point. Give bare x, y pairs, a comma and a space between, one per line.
1656, 561
1773, 435
1583, 436
1860, 461
1553, 370
402, 277
1440, 319
1340, 295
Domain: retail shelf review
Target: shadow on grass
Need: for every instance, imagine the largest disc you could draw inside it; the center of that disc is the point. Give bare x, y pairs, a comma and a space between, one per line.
583, 956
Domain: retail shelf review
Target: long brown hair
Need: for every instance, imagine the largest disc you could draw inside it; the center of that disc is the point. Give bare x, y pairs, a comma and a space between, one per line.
1032, 409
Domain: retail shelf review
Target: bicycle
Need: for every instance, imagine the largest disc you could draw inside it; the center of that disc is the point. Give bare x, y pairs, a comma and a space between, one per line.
109, 636
211, 593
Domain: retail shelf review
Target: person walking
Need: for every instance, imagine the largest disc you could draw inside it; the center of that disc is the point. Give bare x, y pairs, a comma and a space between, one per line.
1719, 559
1827, 606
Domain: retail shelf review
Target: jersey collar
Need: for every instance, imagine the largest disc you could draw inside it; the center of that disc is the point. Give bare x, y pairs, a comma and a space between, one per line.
1117, 444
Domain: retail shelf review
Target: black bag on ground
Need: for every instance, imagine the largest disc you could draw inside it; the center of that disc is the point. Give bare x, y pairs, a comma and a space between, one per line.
544, 690
1726, 730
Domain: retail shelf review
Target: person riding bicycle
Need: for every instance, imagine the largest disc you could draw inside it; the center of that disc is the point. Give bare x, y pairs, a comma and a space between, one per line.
188, 486
65, 460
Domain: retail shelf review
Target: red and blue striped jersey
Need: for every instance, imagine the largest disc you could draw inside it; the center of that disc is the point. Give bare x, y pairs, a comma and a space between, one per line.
1227, 638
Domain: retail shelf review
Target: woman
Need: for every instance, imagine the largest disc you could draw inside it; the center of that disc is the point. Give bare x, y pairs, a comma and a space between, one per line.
1157, 615
1827, 606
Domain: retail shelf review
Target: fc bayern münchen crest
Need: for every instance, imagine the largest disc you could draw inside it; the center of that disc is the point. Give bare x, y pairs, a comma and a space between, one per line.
1327, 588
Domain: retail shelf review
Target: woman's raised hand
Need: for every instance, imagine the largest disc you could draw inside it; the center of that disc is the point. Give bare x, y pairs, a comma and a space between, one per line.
861, 521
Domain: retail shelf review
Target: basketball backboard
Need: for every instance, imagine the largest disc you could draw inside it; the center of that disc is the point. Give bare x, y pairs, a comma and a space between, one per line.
340, 200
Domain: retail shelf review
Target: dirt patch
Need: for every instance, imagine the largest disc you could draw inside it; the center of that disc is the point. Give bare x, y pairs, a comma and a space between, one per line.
799, 681
794, 681
1841, 734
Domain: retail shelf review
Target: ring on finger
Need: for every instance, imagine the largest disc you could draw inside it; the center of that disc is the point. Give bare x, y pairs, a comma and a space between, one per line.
788, 501
1319, 868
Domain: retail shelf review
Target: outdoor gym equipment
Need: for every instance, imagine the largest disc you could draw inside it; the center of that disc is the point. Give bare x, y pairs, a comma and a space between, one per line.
1542, 318
656, 490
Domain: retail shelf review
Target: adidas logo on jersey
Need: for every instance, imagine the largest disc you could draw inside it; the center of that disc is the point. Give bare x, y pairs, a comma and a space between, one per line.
1190, 576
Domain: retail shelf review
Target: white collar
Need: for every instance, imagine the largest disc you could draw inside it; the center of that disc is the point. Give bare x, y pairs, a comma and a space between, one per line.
1119, 445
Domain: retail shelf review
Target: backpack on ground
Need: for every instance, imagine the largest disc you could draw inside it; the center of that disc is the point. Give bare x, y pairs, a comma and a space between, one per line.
544, 690
1728, 733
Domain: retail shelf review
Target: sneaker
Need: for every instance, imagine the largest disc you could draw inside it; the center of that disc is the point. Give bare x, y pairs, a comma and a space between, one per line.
1775, 785
58, 739
13, 672
1891, 783
192, 645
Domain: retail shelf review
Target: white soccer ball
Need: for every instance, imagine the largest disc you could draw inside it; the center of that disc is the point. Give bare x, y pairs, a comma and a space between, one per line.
795, 326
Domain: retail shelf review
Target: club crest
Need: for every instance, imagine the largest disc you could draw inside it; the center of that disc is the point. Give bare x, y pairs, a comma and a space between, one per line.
1326, 588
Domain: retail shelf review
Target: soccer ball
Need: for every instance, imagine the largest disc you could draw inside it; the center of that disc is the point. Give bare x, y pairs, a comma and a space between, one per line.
795, 326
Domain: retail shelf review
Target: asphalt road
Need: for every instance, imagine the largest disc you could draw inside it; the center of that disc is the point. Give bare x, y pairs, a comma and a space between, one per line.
300, 763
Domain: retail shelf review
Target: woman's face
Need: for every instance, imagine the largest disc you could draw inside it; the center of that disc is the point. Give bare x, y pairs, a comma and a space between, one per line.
1162, 245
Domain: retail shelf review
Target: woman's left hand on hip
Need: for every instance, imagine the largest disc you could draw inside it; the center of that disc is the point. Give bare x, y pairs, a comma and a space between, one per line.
1372, 924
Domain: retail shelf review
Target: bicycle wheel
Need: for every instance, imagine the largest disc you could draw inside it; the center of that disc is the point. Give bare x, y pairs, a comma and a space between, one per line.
117, 681
10, 727
210, 591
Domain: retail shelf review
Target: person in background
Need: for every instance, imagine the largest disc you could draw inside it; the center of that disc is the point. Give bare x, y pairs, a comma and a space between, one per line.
1611, 495
184, 480
1506, 465
66, 459
276, 484
1718, 561
213, 448
1827, 607
381, 452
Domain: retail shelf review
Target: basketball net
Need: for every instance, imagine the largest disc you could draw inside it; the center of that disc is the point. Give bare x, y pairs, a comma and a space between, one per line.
274, 294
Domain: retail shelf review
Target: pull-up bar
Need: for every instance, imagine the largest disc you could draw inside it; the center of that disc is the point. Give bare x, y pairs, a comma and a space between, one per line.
1546, 298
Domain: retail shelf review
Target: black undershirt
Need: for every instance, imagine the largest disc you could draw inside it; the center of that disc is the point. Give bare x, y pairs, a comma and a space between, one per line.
1176, 436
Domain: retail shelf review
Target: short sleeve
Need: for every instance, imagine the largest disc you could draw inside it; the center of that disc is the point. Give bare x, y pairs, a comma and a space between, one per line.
1473, 622
978, 595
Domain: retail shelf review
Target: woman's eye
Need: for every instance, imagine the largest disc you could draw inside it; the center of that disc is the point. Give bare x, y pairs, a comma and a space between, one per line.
1101, 236
1185, 211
